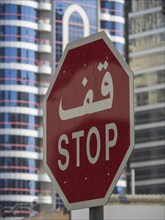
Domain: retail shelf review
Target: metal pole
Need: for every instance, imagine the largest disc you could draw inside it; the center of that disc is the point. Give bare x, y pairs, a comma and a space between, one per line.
133, 181
96, 213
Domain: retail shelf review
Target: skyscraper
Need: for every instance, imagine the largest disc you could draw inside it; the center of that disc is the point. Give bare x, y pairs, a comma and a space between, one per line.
33, 35
112, 21
25, 68
147, 60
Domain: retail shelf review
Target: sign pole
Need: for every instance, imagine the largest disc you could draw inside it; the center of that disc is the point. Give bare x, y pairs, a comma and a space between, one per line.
96, 213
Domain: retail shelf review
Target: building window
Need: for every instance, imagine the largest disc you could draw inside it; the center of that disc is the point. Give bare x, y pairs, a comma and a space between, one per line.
142, 99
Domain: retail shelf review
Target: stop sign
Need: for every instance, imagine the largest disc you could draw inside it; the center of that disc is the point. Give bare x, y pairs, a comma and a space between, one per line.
88, 122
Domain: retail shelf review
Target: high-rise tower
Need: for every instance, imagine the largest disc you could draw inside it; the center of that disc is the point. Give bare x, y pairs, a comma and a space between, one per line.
147, 60
112, 21
26, 63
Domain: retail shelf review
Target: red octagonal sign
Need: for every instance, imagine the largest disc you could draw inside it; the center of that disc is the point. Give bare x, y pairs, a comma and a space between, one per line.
88, 122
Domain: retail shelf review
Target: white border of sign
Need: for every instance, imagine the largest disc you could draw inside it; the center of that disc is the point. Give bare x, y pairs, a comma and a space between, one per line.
102, 201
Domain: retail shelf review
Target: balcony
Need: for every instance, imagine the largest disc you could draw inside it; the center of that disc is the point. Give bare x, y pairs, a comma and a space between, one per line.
44, 25
44, 5
42, 91
45, 199
43, 86
44, 46
43, 176
44, 67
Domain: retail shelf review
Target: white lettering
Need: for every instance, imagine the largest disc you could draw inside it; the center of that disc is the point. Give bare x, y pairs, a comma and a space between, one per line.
63, 152
110, 143
92, 131
77, 135
111, 135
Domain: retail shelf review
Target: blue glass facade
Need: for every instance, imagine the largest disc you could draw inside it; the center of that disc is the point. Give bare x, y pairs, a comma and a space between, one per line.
20, 106
18, 12
113, 22
10, 55
18, 34
14, 98
74, 20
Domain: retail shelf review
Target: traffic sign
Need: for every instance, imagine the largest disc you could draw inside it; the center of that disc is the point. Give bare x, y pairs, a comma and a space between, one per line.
88, 122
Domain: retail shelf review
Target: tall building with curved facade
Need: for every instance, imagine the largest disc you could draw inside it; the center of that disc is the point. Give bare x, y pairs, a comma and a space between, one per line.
33, 35
25, 68
112, 21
